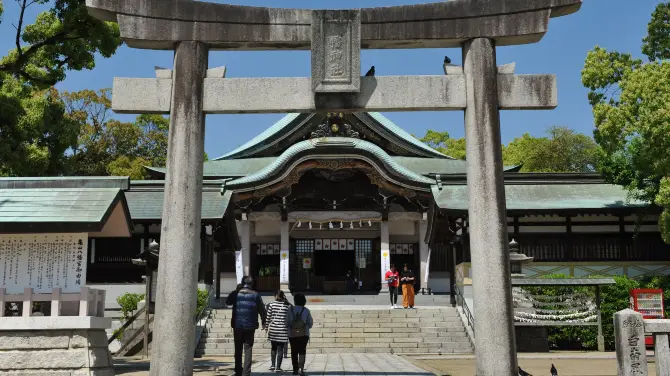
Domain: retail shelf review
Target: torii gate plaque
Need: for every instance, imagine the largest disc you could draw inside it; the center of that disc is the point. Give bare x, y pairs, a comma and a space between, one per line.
190, 91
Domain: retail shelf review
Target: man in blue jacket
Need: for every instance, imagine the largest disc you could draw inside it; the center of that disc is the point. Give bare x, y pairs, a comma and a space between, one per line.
247, 306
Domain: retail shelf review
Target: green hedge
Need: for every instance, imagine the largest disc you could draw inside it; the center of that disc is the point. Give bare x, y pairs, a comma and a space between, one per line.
613, 298
128, 302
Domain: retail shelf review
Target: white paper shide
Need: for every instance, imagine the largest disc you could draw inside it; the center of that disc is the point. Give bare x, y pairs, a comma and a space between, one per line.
43, 262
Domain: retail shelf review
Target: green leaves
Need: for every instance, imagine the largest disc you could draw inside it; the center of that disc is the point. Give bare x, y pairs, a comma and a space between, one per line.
631, 111
34, 129
107, 146
657, 44
63, 38
563, 151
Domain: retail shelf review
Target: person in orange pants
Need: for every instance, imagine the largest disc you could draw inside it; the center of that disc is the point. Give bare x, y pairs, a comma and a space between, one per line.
407, 281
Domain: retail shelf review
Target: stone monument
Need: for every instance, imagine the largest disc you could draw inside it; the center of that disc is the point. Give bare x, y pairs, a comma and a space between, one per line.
631, 352
192, 28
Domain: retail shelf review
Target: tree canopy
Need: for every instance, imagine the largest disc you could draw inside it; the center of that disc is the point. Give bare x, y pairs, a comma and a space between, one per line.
631, 109
62, 37
563, 151
48, 133
106, 146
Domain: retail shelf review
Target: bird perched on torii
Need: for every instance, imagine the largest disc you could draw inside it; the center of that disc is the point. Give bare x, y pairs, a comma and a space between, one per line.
371, 72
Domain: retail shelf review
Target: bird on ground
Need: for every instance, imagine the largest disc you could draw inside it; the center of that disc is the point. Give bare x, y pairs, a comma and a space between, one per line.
523, 373
447, 60
371, 72
553, 370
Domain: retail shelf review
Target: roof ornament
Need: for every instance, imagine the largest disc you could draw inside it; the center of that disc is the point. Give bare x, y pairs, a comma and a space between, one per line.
334, 127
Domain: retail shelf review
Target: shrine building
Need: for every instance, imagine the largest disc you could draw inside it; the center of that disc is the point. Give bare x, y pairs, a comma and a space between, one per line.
316, 196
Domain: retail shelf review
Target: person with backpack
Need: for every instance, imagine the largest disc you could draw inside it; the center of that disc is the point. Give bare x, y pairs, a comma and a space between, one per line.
299, 322
278, 329
247, 306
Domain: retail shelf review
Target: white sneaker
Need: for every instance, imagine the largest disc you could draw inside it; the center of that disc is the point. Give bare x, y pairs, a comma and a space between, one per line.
395, 306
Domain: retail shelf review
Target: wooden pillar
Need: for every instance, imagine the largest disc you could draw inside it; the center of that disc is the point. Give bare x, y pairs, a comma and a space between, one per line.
601, 337
452, 274
569, 242
217, 274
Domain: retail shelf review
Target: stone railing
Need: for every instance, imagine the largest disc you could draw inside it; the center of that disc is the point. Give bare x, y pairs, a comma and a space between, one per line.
69, 341
88, 302
629, 332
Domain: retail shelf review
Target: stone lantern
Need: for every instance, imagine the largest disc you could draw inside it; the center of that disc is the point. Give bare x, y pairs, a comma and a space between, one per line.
517, 259
149, 259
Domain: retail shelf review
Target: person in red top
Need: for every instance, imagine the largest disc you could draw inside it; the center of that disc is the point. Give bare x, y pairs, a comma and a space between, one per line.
393, 278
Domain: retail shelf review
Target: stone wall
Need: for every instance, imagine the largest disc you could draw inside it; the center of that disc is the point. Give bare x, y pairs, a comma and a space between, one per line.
79, 352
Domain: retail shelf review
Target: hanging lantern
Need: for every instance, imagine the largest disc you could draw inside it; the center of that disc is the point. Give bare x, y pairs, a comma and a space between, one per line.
370, 223
330, 225
341, 224
351, 225
299, 223
310, 225
360, 223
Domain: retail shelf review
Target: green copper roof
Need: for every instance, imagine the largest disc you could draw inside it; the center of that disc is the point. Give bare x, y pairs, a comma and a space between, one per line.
276, 128
119, 182
329, 147
544, 197
292, 123
395, 129
235, 168
87, 208
147, 204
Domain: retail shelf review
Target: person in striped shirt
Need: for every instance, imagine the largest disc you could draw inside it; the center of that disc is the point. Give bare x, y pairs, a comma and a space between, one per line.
277, 329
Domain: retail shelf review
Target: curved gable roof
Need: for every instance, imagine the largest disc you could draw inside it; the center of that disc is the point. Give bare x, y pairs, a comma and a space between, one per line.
292, 123
334, 147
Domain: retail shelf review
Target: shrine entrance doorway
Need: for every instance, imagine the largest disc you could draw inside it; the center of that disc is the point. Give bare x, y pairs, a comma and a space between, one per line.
330, 262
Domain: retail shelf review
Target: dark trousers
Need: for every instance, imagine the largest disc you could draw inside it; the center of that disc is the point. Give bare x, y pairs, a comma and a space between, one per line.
393, 294
298, 352
286, 350
277, 354
243, 338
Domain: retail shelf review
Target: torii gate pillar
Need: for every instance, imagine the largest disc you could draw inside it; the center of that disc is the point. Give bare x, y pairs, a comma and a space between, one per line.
494, 323
174, 334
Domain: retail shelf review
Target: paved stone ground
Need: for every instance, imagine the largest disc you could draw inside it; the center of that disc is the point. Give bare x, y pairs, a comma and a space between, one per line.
347, 364
315, 365
571, 364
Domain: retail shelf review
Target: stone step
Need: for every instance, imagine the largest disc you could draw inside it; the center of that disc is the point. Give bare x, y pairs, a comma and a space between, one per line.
382, 324
349, 313
431, 340
353, 330
341, 350
313, 335
351, 345
348, 332
334, 320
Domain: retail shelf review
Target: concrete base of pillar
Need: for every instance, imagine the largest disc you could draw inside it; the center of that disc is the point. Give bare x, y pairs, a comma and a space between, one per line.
284, 287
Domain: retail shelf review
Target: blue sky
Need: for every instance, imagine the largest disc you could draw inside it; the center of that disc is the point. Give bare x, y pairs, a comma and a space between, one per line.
613, 24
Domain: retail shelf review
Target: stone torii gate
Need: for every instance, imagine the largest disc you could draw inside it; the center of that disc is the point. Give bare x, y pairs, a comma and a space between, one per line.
335, 37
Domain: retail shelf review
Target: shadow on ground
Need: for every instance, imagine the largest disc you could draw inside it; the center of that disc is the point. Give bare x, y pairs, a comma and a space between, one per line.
128, 366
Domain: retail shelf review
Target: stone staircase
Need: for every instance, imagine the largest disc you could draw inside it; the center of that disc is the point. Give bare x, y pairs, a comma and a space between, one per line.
430, 330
